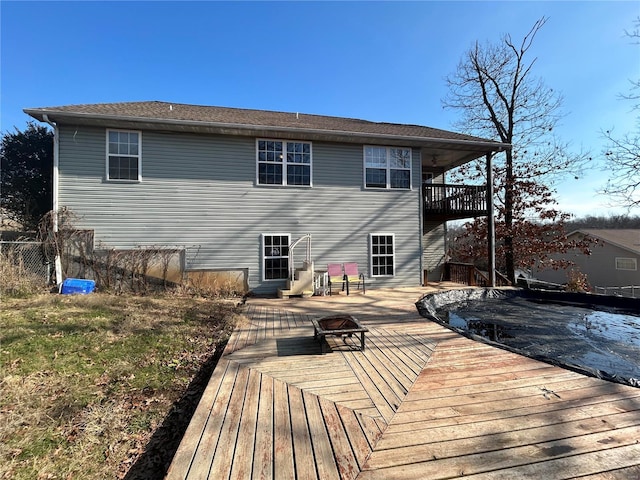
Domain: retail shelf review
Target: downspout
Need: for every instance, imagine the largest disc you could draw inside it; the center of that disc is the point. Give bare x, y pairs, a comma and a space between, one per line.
56, 149
421, 227
491, 223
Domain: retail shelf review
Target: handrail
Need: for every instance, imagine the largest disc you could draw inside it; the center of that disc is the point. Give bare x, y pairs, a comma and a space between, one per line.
292, 246
468, 274
620, 290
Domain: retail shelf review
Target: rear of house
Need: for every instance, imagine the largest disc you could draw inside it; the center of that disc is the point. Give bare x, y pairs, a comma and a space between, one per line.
231, 189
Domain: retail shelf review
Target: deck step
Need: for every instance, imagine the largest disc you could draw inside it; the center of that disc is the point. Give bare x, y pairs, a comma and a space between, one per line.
294, 293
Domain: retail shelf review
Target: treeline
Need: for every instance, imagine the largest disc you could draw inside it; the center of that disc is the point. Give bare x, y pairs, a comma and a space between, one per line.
590, 221
603, 222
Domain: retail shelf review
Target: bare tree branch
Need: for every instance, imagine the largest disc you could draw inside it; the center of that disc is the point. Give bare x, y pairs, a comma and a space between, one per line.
622, 154
497, 95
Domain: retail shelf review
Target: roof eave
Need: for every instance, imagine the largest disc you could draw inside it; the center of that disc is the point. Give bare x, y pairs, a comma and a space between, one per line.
588, 233
251, 129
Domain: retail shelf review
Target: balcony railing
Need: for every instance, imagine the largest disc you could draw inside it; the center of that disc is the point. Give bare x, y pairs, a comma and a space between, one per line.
450, 202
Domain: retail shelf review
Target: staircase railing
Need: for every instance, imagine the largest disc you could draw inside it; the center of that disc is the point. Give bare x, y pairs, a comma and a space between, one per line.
468, 274
292, 246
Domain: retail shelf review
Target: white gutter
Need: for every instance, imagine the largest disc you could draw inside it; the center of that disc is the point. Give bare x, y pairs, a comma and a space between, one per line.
56, 149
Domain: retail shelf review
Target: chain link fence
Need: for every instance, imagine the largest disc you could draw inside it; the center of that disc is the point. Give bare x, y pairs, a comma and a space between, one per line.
28, 256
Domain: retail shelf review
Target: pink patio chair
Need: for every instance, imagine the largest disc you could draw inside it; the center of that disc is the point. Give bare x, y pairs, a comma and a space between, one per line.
335, 274
352, 275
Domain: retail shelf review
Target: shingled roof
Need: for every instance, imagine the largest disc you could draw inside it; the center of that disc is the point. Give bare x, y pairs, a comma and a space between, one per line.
164, 111
450, 148
628, 239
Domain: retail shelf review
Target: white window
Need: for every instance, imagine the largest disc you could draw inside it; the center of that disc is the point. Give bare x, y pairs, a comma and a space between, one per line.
275, 256
382, 248
282, 162
124, 155
626, 264
387, 167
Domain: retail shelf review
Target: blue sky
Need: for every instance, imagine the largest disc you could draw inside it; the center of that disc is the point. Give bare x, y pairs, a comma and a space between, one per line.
380, 61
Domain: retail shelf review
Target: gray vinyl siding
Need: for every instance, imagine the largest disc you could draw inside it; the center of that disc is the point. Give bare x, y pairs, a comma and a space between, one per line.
434, 250
600, 267
434, 246
198, 192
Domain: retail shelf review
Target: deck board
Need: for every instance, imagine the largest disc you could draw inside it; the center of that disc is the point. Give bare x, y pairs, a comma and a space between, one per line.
383, 398
403, 359
263, 456
357, 438
243, 465
223, 458
343, 453
372, 428
283, 457
325, 460
383, 359
423, 445
200, 435
419, 402
591, 463
305, 463
526, 423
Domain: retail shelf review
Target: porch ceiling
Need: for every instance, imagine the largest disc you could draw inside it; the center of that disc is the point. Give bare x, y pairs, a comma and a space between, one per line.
440, 158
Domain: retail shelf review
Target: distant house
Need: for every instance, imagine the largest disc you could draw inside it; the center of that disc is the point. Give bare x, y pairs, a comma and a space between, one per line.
234, 188
613, 262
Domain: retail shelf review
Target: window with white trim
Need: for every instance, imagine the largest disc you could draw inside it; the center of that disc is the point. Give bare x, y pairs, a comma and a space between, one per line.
626, 264
275, 256
387, 167
382, 248
124, 155
281, 162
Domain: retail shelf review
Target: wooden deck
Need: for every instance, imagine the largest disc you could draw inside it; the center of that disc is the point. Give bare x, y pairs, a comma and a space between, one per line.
421, 402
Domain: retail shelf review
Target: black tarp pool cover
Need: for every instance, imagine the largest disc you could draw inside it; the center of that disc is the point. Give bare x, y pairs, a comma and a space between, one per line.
593, 334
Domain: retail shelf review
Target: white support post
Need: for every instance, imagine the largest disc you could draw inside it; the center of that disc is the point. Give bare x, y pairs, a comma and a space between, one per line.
491, 226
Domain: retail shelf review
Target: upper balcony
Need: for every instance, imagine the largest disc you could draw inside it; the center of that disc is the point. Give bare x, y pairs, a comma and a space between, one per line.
453, 202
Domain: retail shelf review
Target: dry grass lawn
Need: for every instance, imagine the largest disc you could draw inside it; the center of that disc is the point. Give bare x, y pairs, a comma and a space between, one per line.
100, 386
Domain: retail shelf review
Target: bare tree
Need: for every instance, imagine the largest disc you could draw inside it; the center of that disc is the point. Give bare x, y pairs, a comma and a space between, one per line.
622, 153
499, 97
